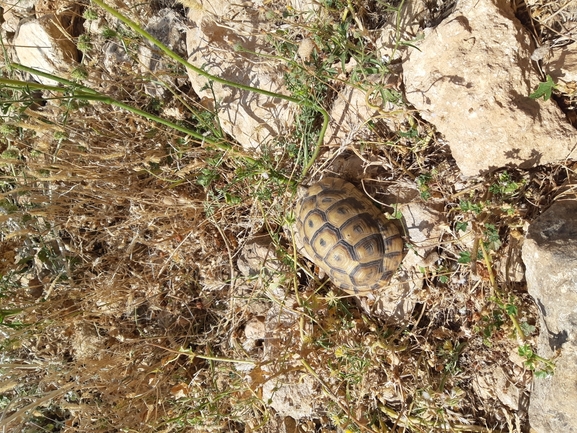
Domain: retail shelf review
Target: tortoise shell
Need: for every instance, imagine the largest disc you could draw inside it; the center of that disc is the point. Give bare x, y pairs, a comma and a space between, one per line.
346, 236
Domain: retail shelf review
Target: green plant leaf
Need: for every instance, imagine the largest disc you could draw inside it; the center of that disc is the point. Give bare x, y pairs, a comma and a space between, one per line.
544, 89
525, 351
511, 309
542, 374
464, 257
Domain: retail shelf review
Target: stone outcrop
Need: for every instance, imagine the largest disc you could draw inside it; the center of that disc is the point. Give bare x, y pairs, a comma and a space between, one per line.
41, 44
17, 11
471, 77
550, 255
561, 64
229, 51
169, 28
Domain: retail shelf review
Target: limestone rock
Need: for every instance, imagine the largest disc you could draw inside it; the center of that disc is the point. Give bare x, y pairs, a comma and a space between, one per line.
226, 51
291, 395
115, 57
494, 383
41, 44
259, 257
304, 5
423, 223
353, 108
562, 65
169, 28
15, 12
471, 77
550, 254
198, 9
424, 228
412, 14
254, 332
396, 303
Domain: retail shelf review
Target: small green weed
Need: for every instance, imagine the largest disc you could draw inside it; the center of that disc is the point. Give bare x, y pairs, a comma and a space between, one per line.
541, 367
449, 354
469, 206
505, 185
423, 185
84, 43
489, 324
7, 129
461, 226
80, 73
90, 14
108, 33
544, 89
464, 257
350, 364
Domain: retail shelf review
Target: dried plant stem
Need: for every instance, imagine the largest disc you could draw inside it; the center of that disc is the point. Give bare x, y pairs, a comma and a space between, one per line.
75, 91
4, 423
193, 355
412, 420
79, 92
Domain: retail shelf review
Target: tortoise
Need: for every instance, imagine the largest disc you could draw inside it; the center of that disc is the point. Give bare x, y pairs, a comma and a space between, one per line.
340, 230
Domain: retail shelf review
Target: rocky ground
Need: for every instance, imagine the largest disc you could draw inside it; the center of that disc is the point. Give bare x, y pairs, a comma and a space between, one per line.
150, 280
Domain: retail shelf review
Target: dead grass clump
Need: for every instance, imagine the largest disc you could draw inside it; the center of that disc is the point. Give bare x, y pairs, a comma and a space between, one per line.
115, 244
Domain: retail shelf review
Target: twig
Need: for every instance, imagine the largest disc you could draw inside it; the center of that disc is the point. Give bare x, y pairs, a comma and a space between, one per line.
193, 355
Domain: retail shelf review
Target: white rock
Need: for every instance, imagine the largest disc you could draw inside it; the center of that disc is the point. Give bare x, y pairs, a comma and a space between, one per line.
16, 12
304, 5
291, 395
168, 27
95, 26
251, 118
20, 6
115, 57
254, 330
471, 77
424, 229
423, 224
389, 44
258, 257
562, 66
396, 302
353, 108
550, 253
40, 44
198, 9
495, 384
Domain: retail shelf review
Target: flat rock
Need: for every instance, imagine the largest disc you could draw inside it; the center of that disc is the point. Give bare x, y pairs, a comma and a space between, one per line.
401, 28
471, 77
227, 50
494, 383
550, 253
562, 64
169, 28
259, 257
15, 12
353, 108
291, 395
42, 45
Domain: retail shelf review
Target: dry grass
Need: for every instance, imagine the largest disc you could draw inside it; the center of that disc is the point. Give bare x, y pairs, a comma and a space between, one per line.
123, 308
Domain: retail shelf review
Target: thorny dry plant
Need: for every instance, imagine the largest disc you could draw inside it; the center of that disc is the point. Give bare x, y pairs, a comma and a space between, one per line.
123, 308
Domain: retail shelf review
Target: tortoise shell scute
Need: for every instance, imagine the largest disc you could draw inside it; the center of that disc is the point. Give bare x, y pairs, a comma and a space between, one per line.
346, 236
